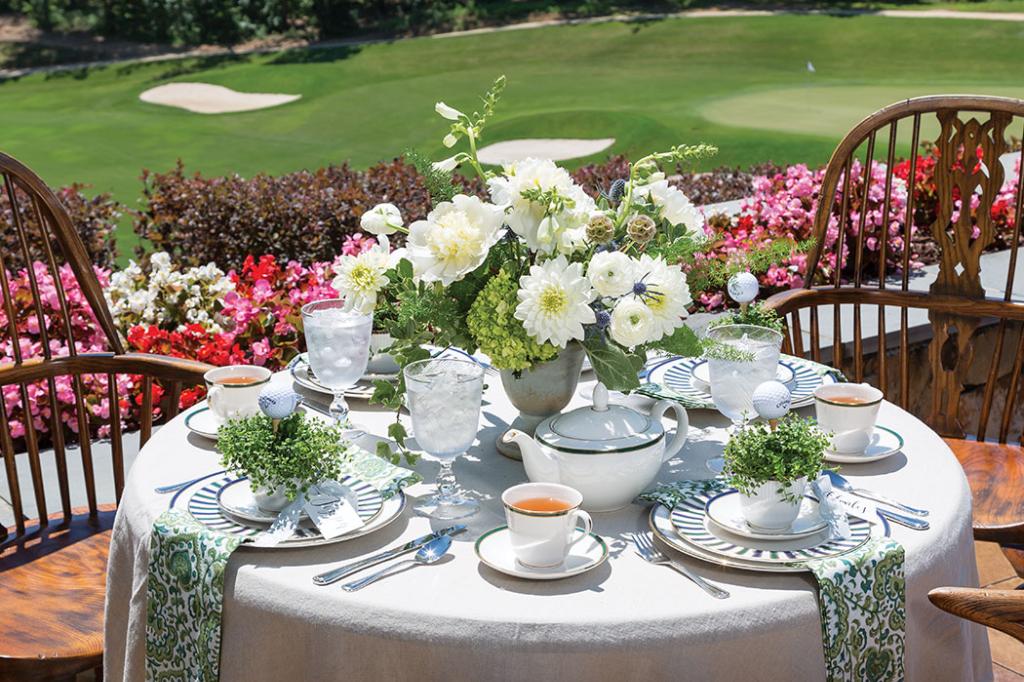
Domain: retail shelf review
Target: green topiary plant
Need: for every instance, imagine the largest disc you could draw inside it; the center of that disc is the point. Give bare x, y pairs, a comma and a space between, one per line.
759, 453
300, 453
755, 314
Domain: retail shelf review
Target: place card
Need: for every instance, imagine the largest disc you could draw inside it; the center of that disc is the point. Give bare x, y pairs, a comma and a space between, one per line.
330, 509
854, 506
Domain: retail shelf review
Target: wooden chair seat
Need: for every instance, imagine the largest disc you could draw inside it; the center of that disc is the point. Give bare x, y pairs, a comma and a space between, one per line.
52, 587
995, 473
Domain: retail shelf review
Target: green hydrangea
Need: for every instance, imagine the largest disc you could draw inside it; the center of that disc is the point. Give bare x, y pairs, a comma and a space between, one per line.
498, 333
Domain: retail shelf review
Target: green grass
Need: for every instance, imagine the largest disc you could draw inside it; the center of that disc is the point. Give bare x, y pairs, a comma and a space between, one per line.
740, 83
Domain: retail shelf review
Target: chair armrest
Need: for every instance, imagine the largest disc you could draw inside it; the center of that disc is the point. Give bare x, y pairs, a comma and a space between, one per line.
999, 609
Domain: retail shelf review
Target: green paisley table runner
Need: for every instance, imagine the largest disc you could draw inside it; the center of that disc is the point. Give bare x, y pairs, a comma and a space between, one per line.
861, 599
185, 591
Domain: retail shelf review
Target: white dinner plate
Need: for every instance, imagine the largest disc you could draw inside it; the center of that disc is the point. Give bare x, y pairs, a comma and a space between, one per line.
494, 549
701, 374
236, 498
724, 509
885, 442
200, 421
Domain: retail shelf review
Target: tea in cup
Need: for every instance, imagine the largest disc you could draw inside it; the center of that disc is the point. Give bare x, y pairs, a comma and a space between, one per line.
233, 392
542, 519
849, 413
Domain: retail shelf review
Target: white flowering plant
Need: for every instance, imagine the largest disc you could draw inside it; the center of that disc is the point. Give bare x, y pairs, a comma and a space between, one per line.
536, 265
168, 295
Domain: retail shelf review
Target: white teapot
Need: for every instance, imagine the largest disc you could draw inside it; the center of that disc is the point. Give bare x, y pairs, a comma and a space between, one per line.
610, 453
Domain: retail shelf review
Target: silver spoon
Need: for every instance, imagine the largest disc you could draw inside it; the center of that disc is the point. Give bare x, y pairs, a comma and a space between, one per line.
428, 554
843, 484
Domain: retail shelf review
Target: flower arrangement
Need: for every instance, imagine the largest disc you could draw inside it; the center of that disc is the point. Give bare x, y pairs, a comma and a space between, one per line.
295, 454
781, 455
536, 266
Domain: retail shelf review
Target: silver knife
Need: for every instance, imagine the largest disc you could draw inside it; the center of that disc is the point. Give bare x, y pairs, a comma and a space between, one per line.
346, 570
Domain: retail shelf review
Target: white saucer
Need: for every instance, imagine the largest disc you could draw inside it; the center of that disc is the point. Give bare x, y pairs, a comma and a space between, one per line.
200, 421
494, 549
884, 443
701, 374
724, 510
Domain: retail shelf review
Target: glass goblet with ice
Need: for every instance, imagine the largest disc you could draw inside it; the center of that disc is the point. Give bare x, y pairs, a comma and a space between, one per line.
444, 396
338, 342
740, 358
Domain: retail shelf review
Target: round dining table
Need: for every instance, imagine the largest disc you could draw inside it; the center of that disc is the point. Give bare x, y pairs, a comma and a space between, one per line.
461, 620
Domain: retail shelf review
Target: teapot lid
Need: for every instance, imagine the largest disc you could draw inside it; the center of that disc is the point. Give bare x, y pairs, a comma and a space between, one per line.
600, 428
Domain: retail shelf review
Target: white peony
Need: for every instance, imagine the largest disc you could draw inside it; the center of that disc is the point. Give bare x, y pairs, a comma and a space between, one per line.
667, 294
360, 278
611, 273
381, 219
676, 207
453, 240
527, 218
554, 302
632, 323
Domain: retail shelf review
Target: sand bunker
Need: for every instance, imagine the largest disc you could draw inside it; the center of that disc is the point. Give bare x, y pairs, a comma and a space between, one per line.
203, 98
556, 149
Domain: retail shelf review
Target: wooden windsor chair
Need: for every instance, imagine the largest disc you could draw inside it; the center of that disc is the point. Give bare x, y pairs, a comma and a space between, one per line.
53, 566
999, 609
859, 277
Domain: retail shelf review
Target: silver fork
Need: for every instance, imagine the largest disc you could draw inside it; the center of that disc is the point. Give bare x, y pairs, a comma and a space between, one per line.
647, 551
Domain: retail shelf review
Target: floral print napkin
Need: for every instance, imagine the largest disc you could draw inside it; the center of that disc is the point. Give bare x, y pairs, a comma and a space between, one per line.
185, 590
861, 599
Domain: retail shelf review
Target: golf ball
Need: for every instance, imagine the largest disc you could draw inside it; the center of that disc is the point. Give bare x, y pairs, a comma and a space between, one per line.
772, 400
277, 402
743, 287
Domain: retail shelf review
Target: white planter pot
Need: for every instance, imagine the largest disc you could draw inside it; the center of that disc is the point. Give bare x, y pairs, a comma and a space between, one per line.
381, 363
767, 508
270, 500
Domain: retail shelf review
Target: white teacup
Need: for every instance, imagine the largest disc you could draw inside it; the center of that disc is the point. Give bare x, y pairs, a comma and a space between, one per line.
849, 412
229, 398
543, 538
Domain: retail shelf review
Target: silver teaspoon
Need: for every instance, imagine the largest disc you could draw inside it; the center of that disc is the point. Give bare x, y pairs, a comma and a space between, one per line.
430, 553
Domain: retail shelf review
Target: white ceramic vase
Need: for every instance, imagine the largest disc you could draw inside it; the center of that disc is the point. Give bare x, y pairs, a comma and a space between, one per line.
270, 500
769, 509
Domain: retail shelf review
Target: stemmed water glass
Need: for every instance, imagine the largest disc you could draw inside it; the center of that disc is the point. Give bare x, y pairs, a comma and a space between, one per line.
444, 396
338, 342
740, 358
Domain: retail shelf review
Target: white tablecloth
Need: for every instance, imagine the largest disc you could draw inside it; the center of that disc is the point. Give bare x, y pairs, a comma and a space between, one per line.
626, 620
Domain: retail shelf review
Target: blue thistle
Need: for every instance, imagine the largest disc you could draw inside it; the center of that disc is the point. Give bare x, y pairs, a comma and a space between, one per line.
616, 191
604, 318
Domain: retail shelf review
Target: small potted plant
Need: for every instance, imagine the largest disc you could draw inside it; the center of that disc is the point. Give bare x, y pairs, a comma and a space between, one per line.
283, 459
770, 467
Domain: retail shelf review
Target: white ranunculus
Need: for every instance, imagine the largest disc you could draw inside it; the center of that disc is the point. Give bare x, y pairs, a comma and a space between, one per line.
554, 302
450, 113
632, 322
676, 207
527, 218
360, 278
453, 240
381, 219
611, 273
667, 296
447, 165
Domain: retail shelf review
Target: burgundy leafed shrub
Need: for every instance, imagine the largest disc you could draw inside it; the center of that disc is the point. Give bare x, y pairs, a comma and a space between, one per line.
95, 219
303, 216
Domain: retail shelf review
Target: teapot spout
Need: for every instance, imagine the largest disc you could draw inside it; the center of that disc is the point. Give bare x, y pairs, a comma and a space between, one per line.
541, 467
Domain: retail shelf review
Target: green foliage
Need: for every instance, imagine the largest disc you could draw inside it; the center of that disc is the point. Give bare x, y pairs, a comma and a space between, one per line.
616, 368
301, 453
498, 333
714, 274
792, 450
755, 314
438, 183
716, 350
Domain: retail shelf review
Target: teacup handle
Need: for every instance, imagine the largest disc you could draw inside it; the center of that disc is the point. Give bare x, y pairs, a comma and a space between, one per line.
682, 425
211, 396
588, 525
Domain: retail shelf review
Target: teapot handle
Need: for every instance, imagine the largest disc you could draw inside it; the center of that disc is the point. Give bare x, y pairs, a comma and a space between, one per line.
682, 426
